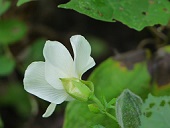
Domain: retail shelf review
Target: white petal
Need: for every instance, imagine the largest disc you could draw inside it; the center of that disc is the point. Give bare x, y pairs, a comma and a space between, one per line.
90, 64
57, 55
82, 51
49, 110
35, 83
52, 75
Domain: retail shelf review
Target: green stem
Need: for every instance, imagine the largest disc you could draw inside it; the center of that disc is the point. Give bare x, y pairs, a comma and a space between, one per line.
97, 101
101, 106
112, 117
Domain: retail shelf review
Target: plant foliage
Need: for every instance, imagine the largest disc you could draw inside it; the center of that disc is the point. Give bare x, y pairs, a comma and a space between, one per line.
133, 13
156, 112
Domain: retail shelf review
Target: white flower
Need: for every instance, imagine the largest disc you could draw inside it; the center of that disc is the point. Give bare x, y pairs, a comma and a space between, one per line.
42, 79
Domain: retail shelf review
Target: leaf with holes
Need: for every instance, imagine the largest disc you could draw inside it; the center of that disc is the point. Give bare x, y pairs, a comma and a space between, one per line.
156, 112
133, 13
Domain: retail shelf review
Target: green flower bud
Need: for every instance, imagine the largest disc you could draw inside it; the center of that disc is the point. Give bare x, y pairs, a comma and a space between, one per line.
78, 89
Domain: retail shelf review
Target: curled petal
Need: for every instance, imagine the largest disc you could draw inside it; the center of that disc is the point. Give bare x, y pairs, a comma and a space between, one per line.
49, 110
35, 83
57, 55
82, 51
90, 64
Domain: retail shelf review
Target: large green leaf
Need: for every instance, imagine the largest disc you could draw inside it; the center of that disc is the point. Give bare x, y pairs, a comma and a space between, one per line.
78, 116
12, 31
7, 65
136, 14
156, 112
109, 79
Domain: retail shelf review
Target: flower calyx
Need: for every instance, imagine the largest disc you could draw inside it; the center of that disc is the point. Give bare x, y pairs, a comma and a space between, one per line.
78, 89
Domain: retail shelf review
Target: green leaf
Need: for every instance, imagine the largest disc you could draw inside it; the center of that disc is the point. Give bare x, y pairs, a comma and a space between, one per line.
114, 76
85, 118
94, 108
12, 31
133, 13
109, 80
156, 112
21, 2
111, 103
128, 109
4, 6
7, 65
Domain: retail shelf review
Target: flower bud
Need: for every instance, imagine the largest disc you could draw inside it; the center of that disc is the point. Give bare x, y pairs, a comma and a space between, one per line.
78, 89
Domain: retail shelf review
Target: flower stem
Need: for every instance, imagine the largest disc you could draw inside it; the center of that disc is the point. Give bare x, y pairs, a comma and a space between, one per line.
112, 117
101, 107
97, 101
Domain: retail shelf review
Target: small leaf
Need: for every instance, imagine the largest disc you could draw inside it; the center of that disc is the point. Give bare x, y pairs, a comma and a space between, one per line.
104, 101
128, 109
12, 31
111, 103
6, 65
21, 2
4, 6
156, 112
93, 108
